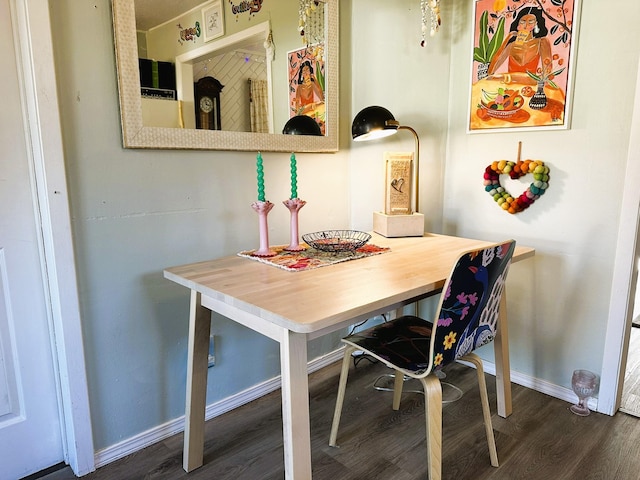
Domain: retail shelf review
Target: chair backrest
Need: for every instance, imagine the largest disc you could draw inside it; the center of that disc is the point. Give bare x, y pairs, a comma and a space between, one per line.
468, 313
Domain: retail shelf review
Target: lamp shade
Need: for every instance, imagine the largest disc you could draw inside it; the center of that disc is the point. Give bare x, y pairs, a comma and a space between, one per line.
302, 125
373, 122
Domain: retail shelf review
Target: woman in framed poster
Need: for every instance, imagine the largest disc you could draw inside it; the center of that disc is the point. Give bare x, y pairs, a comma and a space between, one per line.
526, 47
521, 64
308, 91
307, 83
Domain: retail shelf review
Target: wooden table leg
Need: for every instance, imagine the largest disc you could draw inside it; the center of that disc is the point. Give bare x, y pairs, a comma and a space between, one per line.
433, 417
295, 406
503, 368
199, 328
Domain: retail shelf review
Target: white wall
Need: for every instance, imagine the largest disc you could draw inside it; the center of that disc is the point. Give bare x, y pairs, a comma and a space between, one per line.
558, 303
390, 69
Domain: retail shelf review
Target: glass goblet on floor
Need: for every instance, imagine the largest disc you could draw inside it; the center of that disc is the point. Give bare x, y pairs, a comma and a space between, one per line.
583, 383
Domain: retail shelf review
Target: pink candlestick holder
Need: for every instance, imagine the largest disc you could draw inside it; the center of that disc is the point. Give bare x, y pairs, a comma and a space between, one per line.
294, 205
263, 209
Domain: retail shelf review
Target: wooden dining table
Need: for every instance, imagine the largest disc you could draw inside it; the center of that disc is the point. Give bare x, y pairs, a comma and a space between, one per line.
295, 307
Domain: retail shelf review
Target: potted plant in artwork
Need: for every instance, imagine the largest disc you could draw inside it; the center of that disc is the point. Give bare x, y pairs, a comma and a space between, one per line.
487, 47
539, 99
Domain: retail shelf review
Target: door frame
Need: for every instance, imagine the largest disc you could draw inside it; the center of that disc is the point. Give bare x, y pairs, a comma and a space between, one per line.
625, 268
36, 71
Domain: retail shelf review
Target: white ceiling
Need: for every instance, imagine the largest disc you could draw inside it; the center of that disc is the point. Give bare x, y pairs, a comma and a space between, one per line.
150, 13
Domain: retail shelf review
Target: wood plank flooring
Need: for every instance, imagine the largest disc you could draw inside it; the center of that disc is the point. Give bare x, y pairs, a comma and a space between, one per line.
630, 402
542, 439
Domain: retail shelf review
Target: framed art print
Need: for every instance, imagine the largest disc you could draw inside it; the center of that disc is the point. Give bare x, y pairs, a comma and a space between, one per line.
306, 75
523, 54
213, 20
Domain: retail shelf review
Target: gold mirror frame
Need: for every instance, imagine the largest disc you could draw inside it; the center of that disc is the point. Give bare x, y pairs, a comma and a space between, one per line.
136, 135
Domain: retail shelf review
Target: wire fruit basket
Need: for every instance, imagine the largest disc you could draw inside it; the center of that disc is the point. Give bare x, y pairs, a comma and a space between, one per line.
336, 240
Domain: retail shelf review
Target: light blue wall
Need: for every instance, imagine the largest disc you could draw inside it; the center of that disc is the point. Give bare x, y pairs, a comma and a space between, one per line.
137, 212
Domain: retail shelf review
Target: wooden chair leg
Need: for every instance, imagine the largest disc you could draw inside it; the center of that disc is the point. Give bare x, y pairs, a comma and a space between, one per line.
433, 416
486, 411
344, 373
398, 382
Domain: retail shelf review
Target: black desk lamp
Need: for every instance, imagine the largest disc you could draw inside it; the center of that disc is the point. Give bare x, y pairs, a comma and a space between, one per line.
378, 122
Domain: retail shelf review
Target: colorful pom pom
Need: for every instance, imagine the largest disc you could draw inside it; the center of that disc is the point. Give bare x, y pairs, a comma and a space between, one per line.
516, 170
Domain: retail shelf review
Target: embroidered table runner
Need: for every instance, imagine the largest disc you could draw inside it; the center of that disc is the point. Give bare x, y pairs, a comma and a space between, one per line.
311, 258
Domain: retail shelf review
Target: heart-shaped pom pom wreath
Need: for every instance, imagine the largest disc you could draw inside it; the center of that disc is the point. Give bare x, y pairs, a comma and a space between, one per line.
515, 170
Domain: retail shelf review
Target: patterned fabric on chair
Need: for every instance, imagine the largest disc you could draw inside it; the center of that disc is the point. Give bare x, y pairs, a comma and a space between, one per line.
467, 318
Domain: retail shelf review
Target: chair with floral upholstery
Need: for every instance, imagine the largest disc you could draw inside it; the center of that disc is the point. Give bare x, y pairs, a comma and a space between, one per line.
466, 318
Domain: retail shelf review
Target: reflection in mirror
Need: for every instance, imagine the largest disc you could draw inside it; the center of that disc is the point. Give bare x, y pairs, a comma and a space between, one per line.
231, 88
241, 62
301, 125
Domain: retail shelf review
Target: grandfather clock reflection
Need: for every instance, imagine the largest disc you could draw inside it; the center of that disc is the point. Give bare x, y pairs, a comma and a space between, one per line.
207, 99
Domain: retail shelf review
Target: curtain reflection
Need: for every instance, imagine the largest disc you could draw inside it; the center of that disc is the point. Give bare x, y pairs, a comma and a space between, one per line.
259, 105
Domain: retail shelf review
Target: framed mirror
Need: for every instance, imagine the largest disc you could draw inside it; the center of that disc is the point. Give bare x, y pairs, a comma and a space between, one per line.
195, 45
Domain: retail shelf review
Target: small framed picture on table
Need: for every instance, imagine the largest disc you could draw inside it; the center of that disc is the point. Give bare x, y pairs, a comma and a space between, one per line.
213, 20
398, 183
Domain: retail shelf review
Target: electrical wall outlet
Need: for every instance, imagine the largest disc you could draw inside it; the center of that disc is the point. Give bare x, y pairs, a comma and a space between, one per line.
212, 351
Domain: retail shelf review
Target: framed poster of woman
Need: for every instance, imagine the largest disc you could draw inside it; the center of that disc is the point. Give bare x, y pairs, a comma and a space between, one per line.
522, 64
307, 83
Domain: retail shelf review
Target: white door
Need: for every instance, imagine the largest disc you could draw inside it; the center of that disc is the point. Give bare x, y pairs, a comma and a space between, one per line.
30, 430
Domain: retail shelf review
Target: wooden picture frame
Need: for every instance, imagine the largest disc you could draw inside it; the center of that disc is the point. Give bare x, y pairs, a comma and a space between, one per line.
522, 66
213, 20
398, 183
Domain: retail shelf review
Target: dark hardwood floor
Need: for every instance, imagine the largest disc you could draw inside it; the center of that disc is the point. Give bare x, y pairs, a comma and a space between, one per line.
542, 440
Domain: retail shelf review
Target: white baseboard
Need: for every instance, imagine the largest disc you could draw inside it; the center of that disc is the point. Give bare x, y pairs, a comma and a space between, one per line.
159, 433
551, 389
